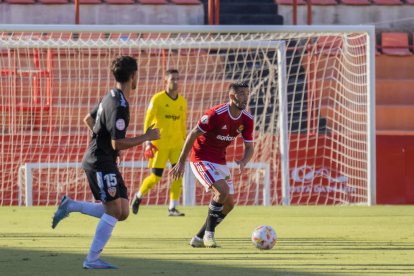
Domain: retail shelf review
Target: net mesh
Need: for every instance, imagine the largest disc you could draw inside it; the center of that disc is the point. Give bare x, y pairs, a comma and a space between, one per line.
52, 80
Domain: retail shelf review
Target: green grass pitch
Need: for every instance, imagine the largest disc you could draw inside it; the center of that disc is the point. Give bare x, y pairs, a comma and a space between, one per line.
331, 240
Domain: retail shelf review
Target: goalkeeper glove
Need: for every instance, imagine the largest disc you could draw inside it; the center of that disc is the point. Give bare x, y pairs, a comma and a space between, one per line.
148, 150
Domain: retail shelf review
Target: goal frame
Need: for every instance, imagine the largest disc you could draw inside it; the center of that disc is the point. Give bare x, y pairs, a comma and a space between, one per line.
165, 44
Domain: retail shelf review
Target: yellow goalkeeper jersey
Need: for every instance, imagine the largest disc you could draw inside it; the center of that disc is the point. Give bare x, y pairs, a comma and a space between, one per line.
169, 116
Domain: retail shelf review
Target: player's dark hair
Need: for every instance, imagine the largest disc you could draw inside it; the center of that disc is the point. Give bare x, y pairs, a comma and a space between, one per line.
170, 72
236, 85
122, 67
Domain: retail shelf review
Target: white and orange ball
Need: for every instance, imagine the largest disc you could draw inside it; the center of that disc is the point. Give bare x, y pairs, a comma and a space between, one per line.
264, 237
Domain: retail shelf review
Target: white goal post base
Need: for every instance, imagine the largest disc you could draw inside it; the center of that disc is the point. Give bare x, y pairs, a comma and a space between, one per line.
189, 179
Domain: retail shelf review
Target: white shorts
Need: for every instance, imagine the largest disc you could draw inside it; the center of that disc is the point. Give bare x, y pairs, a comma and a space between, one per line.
208, 173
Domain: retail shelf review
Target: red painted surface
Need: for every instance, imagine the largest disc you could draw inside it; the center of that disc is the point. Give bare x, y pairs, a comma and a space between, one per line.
395, 169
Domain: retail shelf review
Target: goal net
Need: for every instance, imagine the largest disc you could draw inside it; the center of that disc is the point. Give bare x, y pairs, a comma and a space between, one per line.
311, 95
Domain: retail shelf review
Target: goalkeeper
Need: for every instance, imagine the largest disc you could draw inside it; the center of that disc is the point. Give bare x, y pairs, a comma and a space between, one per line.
167, 110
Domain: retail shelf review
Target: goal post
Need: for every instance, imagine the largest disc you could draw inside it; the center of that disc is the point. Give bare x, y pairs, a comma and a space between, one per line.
312, 98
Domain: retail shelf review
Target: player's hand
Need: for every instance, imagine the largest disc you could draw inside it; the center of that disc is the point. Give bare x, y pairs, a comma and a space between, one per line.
153, 133
118, 158
241, 165
177, 171
148, 153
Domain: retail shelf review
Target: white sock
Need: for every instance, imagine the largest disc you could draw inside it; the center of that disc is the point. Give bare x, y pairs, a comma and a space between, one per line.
139, 194
173, 203
102, 235
208, 233
87, 208
75, 206
93, 209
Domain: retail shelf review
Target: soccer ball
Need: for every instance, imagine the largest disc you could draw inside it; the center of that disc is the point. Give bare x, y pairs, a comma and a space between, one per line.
264, 237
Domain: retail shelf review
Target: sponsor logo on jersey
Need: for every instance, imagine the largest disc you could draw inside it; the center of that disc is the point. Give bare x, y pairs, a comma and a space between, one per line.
241, 127
226, 138
120, 124
228, 178
112, 191
167, 105
122, 101
204, 119
224, 127
173, 117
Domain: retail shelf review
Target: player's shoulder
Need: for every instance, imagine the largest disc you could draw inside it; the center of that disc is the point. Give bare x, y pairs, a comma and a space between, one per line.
115, 98
157, 96
247, 115
181, 98
219, 109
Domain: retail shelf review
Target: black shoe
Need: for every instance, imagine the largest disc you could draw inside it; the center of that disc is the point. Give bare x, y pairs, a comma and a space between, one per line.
135, 204
174, 213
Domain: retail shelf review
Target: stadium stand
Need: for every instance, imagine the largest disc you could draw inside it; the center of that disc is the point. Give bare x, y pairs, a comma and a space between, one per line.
186, 2
88, 1
387, 2
152, 2
290, 2
395, 44
355, 2
324, 2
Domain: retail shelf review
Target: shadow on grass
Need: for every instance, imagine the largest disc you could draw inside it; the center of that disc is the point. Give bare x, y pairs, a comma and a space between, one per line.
282, 260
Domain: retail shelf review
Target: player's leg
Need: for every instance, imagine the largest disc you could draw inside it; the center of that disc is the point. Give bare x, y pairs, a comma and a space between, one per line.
67, 205
176, 185
209, 176
227, 207
157, 165
111, 188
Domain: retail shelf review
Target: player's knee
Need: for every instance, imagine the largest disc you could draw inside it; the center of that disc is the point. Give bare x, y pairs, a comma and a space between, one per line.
223, 193
229, 206
124, 215
115, 212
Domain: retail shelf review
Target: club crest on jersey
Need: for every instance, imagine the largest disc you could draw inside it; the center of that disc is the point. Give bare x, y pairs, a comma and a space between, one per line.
112, 191
216, 173
241, 127
120, 124
181, 108
204, 119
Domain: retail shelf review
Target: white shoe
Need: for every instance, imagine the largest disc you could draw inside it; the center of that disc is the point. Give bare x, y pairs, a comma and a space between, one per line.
98, 264
197, 242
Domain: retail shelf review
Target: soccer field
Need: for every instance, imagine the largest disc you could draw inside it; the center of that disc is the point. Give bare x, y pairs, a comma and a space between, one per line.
342, 240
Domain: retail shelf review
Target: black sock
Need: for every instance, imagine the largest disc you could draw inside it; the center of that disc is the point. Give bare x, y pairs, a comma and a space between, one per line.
202, 231
214, 209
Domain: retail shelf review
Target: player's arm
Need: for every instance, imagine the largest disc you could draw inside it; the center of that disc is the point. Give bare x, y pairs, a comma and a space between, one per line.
183, 120
247, 135
149, 118
178, 169
116, 125
248, 154
89, 119
127, 143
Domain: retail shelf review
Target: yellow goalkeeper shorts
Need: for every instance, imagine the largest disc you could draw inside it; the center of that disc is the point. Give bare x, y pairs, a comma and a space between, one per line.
162, 156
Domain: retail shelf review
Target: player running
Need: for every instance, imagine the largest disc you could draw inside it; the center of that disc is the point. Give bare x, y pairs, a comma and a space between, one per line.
167, 110
215, 131
108, 122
